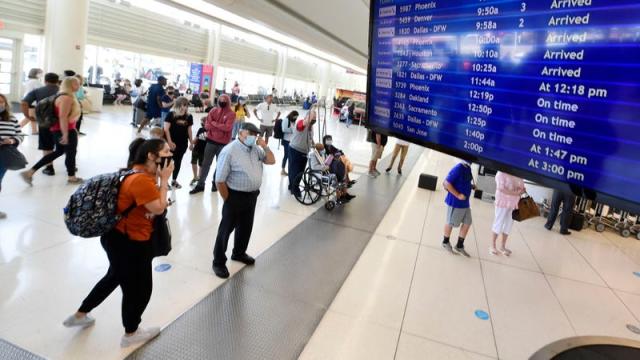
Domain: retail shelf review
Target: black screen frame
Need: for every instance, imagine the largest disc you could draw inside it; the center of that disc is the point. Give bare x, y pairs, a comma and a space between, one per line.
582, 191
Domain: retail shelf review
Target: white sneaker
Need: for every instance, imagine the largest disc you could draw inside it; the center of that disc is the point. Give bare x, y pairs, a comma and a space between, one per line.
83, 322
493, 251
505, 251
372, 174
140, 336
377, 172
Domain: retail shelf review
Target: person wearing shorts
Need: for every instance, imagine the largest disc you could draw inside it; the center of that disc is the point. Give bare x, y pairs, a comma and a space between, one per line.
267, 113
197, 154
458, 184
378, 142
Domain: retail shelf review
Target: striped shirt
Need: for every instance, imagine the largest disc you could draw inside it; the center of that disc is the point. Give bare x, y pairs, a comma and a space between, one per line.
10, 129
240, 166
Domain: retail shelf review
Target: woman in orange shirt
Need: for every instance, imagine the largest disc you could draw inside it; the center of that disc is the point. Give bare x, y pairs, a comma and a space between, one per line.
128, 245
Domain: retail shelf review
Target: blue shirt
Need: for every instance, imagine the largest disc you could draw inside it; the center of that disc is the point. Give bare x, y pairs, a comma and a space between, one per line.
40, 93
153, 108
460, 178
240, 166
167, 99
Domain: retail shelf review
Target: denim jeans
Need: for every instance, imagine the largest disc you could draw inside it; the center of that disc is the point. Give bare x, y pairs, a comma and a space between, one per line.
285, 144
2, 172
236, 129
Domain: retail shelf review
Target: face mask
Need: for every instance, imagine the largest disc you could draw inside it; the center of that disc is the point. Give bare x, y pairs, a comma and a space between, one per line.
329, 143
250, 140
2, 109
323, 152
222, 104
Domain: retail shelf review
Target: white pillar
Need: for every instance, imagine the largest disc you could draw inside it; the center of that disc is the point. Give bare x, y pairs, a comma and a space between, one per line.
282, 69
66, 35
213, 48
325, 73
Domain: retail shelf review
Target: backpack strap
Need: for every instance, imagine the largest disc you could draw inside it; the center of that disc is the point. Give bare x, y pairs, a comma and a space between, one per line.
128, 210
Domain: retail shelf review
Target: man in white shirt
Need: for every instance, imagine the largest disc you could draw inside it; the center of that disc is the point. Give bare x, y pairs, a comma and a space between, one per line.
269, 113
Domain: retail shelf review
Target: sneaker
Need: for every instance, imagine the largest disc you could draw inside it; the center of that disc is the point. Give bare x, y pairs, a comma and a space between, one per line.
493, 251
546, 226
81, 133
197, 189
505, 251
221, 271
140, 336
75, 181
447, 247
284, 173
176, 185
27, 178
83, 322
388, 170
461, 251
49, 171
565, 232
349, 196
3, 215
399, 171
372, 174
244, 258
377, 172
194, 181
214, 188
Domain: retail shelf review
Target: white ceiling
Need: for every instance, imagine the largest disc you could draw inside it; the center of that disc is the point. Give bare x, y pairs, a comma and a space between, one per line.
338, 27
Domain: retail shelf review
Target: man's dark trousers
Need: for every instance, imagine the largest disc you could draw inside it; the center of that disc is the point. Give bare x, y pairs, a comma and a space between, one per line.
237, 215
568, 200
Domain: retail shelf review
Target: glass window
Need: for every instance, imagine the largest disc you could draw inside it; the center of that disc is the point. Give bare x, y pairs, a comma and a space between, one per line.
6, 61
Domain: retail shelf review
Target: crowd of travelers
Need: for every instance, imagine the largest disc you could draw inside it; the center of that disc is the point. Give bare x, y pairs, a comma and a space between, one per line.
240, 148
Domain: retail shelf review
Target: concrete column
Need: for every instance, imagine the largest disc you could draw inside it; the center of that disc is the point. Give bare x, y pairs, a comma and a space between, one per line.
66, 35
325, 73
213, 50
282, 69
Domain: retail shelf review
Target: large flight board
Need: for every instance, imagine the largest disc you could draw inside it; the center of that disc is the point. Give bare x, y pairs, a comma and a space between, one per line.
547, 89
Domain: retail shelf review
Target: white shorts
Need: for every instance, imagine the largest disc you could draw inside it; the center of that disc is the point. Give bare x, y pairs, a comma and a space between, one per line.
503, 222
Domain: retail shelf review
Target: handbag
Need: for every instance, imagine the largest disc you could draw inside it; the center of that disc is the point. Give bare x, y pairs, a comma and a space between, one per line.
161, 235
527, 209
11, 158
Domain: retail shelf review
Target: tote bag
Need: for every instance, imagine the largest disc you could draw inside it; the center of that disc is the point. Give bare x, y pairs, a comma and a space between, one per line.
11, 158
527, 209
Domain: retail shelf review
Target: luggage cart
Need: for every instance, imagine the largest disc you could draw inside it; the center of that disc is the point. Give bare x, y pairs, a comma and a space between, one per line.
635, 227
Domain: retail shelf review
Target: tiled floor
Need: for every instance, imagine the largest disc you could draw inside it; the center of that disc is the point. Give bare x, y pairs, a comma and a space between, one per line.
408, 299
45, 272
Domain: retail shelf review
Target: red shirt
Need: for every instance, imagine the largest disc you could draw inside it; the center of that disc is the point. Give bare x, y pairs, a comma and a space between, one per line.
56, 126
219, 124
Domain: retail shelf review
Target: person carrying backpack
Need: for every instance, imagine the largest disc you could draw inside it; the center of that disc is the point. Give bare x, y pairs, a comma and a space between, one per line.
65, 113
128, 245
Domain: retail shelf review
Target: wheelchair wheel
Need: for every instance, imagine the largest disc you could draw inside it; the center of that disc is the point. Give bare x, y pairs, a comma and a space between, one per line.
310, 188
330, 205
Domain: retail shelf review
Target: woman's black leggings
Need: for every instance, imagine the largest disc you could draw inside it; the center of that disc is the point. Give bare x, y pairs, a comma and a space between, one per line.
68, 150
178, 154
129, 268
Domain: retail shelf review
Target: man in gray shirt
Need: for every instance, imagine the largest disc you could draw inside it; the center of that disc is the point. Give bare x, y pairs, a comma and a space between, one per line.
238, 178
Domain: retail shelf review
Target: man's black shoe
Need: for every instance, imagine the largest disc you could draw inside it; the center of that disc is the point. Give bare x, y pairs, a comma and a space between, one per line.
546, 226
565, 232
350, 197
197, 189
244, 258
221, 271
214, 189
49, 171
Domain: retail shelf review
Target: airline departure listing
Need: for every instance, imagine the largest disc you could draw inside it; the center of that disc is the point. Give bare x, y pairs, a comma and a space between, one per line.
546, 86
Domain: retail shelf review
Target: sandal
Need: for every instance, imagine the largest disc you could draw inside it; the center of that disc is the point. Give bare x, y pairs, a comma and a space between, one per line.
505, 251
493, 251
27, 178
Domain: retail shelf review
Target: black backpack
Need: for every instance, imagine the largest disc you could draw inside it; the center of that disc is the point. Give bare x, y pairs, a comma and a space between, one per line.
46, 111
277, 130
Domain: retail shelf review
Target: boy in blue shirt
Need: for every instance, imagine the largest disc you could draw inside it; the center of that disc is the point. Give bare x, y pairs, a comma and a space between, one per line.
458, 184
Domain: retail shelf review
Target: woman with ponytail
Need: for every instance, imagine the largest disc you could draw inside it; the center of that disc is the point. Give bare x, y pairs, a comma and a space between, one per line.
128, 245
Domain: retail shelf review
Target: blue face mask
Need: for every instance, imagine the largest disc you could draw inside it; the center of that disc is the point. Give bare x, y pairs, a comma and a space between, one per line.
250, 140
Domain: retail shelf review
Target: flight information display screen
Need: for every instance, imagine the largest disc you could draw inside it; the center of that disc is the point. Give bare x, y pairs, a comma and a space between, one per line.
549, 89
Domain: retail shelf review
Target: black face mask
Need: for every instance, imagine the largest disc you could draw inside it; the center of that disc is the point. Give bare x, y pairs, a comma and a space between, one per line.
222, 104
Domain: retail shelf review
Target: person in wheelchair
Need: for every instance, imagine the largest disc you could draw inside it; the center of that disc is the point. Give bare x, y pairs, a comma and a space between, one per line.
338, 160
318, 164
